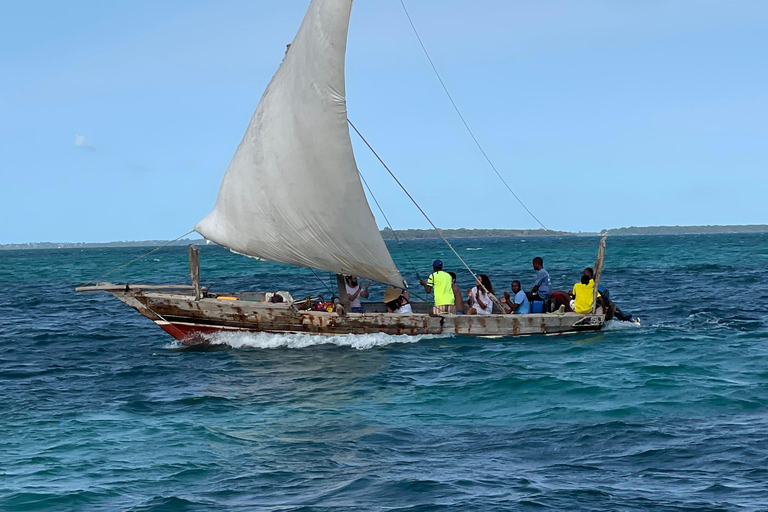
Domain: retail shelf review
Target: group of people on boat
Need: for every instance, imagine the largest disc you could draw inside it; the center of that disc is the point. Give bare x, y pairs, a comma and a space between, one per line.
481, 298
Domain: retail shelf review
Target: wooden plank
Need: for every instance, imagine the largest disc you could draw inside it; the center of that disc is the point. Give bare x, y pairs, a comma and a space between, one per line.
108, 287
194, 270
343, 297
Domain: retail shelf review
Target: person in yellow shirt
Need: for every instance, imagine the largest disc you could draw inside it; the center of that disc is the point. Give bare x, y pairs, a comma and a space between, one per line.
442, 283
583, 294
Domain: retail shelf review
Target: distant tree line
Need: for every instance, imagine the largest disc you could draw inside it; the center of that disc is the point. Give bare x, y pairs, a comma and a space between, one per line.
687, 230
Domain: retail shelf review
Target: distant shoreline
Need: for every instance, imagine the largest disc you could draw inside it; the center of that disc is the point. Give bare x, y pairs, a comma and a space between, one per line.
429, 234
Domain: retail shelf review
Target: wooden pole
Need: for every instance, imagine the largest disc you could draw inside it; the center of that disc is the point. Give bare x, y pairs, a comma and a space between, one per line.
598, 271
194, 270
343, 297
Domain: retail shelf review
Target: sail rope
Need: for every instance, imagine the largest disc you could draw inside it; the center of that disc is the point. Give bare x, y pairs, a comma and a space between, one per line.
439, 232
98, 280
466, 125
322, 282
399, 243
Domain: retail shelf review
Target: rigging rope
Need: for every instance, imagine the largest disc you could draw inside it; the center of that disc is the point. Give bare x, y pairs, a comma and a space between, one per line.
96, 281
399, 243
456, 108
439, 232
323, 282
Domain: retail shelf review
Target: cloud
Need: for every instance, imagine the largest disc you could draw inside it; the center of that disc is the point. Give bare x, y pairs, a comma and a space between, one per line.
83, 143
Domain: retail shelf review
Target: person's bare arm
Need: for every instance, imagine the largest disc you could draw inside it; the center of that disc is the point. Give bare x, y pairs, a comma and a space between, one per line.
427, 288
364, 292
354, 295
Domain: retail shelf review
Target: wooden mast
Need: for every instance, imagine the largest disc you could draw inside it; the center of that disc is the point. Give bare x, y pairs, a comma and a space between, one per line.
598, 271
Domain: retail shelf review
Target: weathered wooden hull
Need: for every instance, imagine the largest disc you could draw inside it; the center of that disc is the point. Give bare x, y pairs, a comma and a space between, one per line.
188, 320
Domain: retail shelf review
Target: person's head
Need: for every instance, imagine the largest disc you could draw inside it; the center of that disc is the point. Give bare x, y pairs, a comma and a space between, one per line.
585, 279
538, 263
589, 272
437, 265
453, 277
516, 286
352, 280
483, 279
392, 297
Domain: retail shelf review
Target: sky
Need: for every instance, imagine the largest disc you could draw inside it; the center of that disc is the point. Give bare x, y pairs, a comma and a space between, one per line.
118, 119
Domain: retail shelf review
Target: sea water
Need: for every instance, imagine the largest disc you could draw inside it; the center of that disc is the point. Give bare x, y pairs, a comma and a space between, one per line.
101, 410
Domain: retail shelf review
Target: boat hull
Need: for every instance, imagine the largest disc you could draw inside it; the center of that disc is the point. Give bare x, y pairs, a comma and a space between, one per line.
189, 320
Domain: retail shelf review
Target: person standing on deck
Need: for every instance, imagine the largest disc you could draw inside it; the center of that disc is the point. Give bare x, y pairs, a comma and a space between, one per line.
442, 284
542, 288
458, 298
354, 292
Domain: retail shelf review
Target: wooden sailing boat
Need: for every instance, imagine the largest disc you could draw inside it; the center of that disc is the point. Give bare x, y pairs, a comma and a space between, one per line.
292, 194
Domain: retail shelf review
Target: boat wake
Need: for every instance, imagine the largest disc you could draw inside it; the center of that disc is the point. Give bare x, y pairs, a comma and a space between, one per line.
617, 325
270, 340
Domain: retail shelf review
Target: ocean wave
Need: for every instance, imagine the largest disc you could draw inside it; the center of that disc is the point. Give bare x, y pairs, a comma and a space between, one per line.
270, 340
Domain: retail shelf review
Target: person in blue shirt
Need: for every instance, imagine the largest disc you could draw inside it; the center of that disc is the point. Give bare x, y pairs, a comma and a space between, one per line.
518, 304
542, 288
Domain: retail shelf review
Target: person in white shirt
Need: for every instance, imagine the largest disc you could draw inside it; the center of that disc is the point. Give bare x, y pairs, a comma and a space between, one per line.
354, 292
481, 297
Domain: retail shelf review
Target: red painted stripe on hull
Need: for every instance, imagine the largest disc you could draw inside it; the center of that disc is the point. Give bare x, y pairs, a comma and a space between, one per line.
191, 334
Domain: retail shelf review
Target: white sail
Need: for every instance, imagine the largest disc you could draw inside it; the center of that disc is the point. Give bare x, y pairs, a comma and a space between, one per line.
292, 192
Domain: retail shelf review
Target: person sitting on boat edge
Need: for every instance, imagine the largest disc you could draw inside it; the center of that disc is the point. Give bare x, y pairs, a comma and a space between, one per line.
440, 282
519, 304
583, 295
481, 297
612, 310
542, 288
397, 300
354, 292
458, 298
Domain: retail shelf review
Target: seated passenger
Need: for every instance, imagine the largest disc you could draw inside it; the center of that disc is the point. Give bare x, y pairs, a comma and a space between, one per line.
458, 299
560, 302
397, 300
583, 295
541, 288
481, 297
519, 304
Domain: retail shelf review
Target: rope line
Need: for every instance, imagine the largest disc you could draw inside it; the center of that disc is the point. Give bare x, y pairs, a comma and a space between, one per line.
439, 232
456, 108
399, 243
96, 281
321, 280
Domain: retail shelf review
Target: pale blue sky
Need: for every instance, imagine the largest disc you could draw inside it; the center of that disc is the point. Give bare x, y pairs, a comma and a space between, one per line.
118, 119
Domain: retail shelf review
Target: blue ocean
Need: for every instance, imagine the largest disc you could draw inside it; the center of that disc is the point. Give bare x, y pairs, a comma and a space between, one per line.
102, 410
